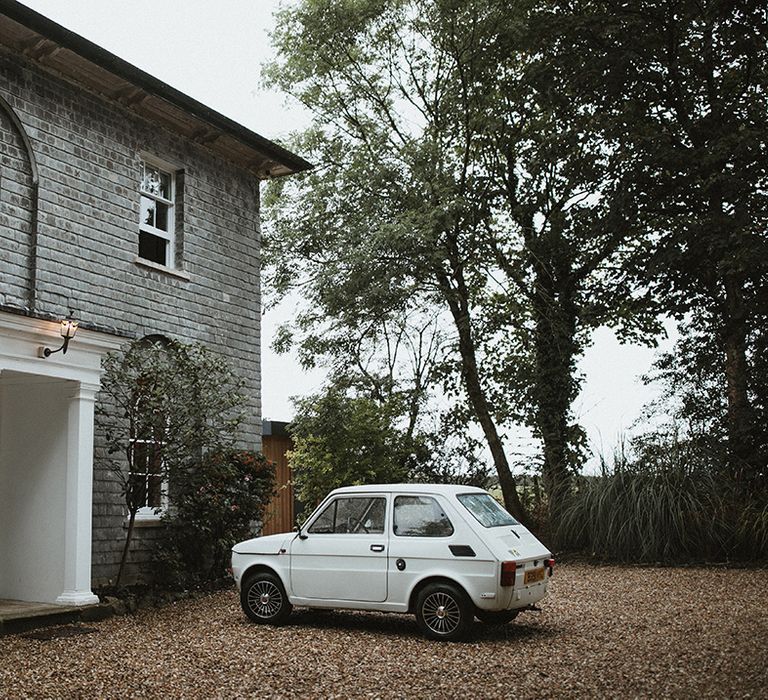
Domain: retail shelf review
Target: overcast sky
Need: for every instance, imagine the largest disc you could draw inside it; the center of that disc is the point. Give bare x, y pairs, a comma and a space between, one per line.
212, 51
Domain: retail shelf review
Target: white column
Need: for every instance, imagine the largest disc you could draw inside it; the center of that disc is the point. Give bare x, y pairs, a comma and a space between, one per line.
79, 495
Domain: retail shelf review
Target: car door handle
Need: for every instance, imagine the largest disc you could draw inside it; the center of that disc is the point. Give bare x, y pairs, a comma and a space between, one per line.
377, 547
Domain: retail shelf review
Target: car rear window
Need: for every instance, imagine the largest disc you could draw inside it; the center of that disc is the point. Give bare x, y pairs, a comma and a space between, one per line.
486, 510
420, 516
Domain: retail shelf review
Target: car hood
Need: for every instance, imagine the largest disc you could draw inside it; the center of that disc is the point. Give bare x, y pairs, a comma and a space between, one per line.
271, 544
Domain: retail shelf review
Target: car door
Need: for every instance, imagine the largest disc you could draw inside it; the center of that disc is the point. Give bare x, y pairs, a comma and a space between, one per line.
342, 553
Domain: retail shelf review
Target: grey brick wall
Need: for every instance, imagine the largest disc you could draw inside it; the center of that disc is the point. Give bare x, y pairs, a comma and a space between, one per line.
88, 153
16, 211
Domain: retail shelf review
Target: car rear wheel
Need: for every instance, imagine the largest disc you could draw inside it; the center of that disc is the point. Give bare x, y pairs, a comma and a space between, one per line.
496, 617
264, 600
443, 612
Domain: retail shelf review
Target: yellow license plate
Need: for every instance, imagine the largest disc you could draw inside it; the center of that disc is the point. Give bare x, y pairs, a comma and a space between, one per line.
533, 576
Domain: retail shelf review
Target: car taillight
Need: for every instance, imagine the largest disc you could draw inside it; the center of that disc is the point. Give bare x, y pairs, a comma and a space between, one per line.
508, 571
550, 565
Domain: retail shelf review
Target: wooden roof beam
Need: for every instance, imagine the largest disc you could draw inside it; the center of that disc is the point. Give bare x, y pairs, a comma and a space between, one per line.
39, 48
129, 95
205, 135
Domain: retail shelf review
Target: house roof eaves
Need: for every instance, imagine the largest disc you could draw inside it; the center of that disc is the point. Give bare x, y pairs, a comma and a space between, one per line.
289, 162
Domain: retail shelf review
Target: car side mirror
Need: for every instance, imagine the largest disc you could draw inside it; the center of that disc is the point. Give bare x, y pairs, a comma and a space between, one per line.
302, 535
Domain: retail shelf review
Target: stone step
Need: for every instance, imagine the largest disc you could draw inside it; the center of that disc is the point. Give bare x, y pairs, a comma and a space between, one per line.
19, 616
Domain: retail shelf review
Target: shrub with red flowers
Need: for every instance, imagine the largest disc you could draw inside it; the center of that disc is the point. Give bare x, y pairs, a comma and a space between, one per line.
214, 505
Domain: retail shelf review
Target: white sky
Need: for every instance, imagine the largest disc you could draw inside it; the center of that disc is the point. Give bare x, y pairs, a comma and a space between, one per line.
213, 51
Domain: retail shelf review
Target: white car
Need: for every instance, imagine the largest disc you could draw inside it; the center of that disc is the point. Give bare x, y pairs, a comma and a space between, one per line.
447, 553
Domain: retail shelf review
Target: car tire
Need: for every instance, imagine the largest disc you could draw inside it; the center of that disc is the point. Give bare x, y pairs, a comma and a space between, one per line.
443, 612
264, 600
496, 617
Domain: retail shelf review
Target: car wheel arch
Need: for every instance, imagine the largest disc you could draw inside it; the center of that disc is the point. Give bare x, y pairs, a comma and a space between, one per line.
259, 569
422, 583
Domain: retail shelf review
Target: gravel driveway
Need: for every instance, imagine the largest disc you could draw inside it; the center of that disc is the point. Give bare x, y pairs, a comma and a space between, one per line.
603, 631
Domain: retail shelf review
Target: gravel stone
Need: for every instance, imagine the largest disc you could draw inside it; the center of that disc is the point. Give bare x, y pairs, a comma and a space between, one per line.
603, 631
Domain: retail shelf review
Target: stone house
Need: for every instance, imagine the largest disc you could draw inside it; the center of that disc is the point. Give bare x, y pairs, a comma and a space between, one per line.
137, 208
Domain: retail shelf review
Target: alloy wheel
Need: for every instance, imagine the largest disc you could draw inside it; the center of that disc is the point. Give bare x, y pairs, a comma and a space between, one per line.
441, 613
265, 599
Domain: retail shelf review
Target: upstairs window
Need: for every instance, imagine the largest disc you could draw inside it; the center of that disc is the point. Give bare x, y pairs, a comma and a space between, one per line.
156, 225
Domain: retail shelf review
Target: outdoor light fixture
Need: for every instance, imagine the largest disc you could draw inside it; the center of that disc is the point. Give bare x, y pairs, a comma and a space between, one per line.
68, 330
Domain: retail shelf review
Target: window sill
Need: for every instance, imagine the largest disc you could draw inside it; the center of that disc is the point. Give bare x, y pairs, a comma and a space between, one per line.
148, 520
181, 274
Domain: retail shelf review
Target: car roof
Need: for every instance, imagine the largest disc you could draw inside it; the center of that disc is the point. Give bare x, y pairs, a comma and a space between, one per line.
444, 489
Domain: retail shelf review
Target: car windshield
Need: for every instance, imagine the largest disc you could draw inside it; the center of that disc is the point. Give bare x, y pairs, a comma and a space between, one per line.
486, 510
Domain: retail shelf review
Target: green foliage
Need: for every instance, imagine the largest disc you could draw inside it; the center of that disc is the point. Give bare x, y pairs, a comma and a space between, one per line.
451, 458
183, 397
671, 496
341, 441
531, 170
451, 176
667, 508
682, 91
694, 405
175, 400
213, 506
683, 87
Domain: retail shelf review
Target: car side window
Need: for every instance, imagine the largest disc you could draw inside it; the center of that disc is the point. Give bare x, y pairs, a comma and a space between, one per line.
420, 516
351, 515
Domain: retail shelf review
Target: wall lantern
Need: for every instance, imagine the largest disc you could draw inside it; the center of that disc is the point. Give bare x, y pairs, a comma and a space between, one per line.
68, 330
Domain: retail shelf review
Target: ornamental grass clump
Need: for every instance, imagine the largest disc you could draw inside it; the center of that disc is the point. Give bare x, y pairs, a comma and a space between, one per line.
667, 514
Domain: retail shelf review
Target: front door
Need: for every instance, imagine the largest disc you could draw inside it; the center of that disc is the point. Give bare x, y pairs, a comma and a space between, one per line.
344, 555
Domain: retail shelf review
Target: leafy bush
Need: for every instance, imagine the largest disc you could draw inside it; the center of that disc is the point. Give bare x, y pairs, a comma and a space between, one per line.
214, 506
175, 401
340, 441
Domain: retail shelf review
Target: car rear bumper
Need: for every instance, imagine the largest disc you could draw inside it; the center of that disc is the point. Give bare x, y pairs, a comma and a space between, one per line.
514, 597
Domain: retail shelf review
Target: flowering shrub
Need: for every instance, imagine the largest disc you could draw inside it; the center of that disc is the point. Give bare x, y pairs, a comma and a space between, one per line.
162, 404
213, 505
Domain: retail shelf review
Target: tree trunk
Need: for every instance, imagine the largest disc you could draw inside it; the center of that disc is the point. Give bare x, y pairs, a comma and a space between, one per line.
554, 387
126, 546
459, 307
740, 420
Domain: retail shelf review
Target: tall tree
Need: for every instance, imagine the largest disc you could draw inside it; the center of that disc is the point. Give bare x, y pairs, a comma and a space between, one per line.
684, 87
450, 176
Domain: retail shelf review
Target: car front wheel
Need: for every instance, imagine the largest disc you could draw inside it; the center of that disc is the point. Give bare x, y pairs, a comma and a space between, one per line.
443, 612
264, 600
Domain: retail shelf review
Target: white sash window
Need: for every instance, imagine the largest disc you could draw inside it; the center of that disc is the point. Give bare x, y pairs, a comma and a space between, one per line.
156, 223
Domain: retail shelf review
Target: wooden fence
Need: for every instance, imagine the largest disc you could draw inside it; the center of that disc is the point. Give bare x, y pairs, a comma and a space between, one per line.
279, 515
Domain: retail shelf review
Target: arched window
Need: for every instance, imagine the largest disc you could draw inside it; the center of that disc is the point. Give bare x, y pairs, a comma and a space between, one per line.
148, 481
147, 473
18, 202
